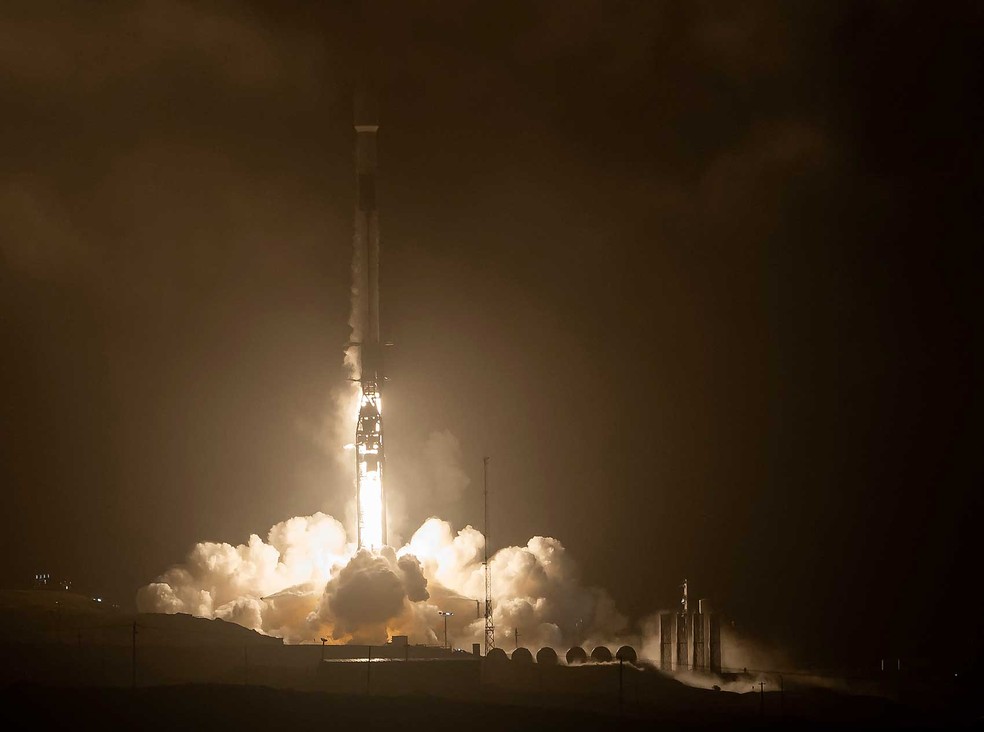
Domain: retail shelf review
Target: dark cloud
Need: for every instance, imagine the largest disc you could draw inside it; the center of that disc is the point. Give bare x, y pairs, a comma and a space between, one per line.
369, 592
84, 50
413, 578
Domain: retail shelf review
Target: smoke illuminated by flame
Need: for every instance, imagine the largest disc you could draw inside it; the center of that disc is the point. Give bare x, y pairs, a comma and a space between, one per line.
371, 508
309, 580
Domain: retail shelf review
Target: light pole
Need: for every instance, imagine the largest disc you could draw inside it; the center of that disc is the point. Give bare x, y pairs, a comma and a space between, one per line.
323, 641
446, 616
478, 604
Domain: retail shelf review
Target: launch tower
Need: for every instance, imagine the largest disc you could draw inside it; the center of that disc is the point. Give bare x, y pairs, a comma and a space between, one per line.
369, 455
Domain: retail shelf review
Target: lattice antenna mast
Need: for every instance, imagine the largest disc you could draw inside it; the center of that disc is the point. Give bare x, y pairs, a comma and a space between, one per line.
489, 625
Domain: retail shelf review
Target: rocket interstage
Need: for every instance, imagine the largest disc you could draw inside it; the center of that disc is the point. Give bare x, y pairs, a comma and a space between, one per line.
369, 455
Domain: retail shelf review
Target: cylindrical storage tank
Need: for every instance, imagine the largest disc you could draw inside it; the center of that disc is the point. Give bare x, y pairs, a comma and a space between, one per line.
497, 654
576, 656
627, 654
522, 655
601, 654
546, 656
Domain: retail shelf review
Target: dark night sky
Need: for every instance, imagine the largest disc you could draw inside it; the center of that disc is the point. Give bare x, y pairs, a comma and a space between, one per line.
699, 276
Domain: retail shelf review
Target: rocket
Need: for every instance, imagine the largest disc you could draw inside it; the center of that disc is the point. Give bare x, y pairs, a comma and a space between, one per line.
369, 454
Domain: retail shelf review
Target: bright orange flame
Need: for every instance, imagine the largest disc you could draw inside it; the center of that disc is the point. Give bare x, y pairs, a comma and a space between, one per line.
371, 506
370, 478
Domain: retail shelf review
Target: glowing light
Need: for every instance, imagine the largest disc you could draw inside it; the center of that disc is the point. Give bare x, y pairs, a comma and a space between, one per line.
369, 442
371, 505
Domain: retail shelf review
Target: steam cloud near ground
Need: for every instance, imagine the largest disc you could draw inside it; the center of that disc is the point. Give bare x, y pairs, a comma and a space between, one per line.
307, 581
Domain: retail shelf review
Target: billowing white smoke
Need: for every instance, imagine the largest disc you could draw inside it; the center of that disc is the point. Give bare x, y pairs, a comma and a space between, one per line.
307, 581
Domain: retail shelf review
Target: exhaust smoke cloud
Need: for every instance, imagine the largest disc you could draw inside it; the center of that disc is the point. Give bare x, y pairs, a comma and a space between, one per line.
308, 580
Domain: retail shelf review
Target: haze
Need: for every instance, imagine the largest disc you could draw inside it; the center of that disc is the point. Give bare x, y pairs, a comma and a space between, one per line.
700, 278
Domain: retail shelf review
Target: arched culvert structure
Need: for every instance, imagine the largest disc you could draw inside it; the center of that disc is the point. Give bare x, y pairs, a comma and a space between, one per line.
576, 656
601, 654
546, 656
627, 654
